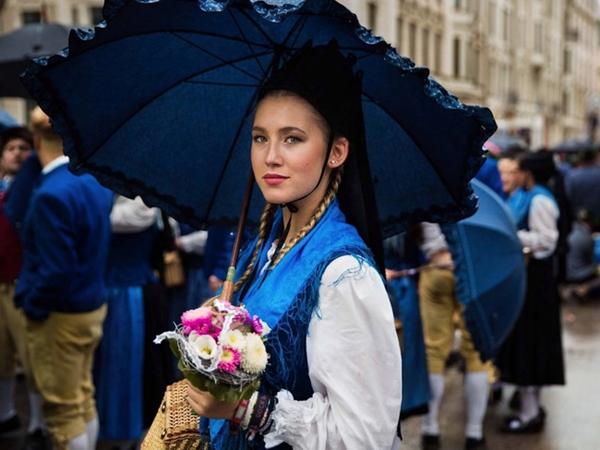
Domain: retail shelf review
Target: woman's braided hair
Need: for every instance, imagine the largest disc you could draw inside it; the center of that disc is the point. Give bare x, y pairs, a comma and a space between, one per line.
266, 220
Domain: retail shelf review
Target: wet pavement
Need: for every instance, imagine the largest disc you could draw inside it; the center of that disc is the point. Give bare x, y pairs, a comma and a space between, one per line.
573, 421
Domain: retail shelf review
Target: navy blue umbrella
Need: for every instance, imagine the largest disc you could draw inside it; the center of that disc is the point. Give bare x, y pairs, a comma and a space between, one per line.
158, 101
489, 270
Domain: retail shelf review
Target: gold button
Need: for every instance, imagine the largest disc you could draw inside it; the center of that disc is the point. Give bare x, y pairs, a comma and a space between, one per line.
163, 407
163, 434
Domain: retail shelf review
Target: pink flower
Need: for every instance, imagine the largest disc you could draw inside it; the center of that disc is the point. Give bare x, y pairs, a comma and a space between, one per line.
229, 359
198, 320
257, 325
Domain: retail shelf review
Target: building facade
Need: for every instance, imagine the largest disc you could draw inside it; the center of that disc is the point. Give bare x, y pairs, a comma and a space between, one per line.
534, 63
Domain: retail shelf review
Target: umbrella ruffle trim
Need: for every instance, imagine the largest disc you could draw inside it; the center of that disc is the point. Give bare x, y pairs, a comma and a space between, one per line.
466, 203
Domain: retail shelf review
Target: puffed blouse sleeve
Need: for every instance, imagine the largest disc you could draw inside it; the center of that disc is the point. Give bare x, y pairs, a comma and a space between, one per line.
354, 367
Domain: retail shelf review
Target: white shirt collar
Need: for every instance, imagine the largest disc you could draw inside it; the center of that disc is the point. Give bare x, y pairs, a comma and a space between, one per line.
61, 160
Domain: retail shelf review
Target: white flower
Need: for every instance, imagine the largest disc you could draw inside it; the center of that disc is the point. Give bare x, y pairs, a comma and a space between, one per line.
233, 338
205, 345
266, 328
255, 357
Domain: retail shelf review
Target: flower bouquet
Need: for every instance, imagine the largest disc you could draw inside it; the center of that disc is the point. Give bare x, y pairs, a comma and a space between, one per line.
221, 349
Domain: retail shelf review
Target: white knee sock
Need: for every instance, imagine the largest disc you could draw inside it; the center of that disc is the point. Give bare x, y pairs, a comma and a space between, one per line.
429, 423
7, 398
530, 406
79, 443
91, 430
476, 396
36, 417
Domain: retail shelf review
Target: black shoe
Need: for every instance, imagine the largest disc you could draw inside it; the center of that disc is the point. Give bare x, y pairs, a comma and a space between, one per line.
475, 444
10, 426
515, 401
495, 395
515, 425
37, 440
430, 442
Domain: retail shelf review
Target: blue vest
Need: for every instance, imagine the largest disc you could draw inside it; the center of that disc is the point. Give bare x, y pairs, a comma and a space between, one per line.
286, 297
519, 204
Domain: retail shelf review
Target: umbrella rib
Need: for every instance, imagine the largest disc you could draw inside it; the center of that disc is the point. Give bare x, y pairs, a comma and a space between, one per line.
258, 27
158, 95
247, 41
232, 146
296, 29
436, 170
219, 58
217, 83
213, 197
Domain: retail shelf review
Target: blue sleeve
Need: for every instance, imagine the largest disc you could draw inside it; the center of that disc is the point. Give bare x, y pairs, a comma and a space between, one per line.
54, 241
21, 190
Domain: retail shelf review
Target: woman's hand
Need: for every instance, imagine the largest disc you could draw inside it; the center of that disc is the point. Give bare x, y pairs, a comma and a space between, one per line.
205, 405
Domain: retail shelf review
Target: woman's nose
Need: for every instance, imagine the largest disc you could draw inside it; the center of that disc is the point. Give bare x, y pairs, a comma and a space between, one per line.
273, 156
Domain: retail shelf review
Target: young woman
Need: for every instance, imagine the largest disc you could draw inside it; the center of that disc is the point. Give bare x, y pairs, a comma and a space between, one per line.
334, 374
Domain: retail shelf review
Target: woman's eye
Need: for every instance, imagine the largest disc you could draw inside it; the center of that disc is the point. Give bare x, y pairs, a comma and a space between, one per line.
292, 140
259, 139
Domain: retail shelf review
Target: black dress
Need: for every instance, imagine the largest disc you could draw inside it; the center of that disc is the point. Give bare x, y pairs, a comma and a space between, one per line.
532, 355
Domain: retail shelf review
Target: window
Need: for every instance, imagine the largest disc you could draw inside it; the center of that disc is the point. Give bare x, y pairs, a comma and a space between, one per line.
438, 53
505, 26
537, 38
399, 31
425, 47
96, 15
412, 41
75, 15
567, 62
492, 19
31, 17
372, 15
457, 58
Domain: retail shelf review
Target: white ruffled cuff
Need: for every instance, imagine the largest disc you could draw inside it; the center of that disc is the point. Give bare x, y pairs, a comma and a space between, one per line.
294, 420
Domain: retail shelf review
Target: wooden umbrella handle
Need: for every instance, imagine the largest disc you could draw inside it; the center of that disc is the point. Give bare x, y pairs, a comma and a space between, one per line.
228, 284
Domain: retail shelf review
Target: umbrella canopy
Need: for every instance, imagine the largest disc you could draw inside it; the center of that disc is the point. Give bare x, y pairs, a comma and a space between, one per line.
489, 269
502, 141
6, 120
158, 102
18, 48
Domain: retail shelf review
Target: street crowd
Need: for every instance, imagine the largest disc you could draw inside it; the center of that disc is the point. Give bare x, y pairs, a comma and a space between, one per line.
88, 278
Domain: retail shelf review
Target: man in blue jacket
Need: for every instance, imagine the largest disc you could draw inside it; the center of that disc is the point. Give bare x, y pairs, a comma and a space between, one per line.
65, 234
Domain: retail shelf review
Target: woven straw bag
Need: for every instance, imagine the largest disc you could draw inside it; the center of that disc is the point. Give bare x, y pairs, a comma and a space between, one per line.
175, 426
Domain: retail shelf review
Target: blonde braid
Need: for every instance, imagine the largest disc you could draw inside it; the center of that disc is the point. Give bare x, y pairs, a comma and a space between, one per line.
319, 211
263, 231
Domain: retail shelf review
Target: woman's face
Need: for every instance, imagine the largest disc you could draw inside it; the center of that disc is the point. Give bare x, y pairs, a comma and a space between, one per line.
288, 148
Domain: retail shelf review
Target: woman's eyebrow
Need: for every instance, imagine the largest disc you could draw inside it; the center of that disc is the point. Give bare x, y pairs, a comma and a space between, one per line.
285, 130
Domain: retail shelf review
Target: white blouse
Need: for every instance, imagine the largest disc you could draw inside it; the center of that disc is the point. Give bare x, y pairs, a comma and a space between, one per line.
354, 368
542, 235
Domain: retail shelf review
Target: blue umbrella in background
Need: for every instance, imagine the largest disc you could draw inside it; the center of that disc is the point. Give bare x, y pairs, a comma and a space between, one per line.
489, 269
6, 120
158, 101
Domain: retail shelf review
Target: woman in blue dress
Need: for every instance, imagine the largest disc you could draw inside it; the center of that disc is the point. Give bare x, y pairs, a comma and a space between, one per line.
334, 374
120, 355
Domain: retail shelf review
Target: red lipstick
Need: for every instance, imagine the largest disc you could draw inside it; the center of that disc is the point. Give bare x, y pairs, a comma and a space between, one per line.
274, 179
